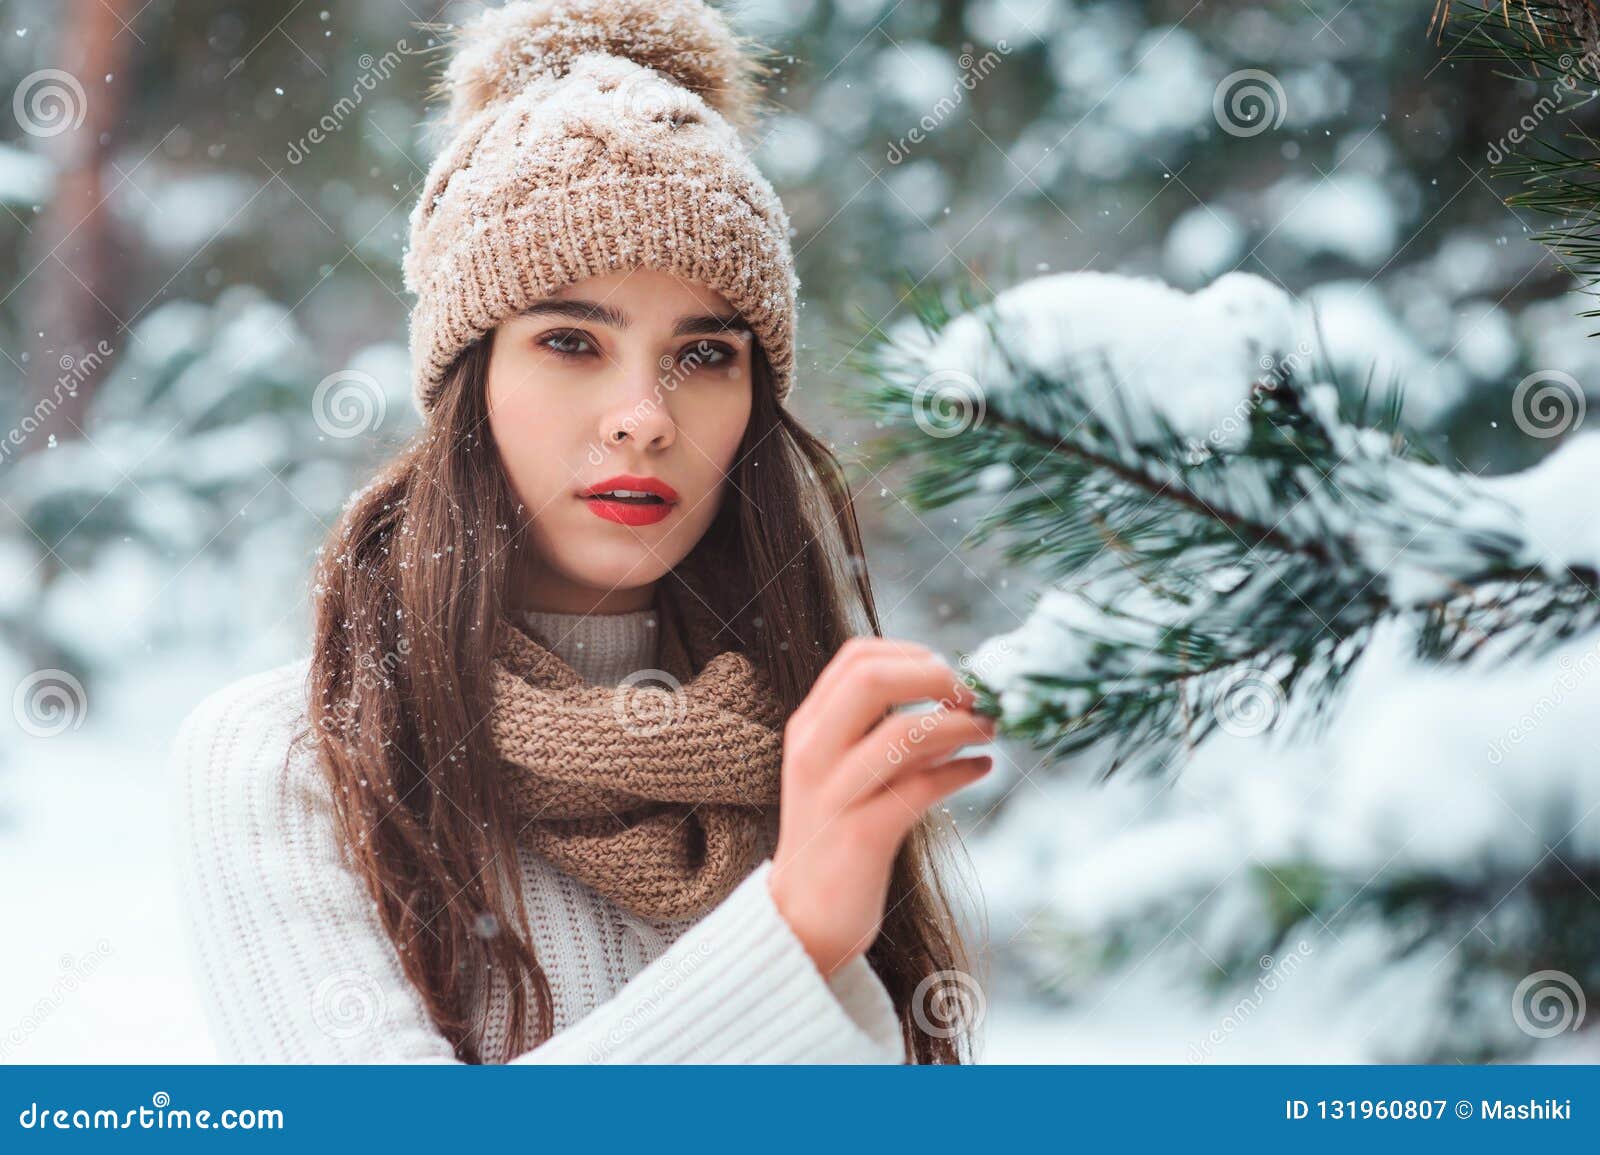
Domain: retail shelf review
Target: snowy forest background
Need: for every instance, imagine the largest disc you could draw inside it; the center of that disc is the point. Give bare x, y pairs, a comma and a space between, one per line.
193, 278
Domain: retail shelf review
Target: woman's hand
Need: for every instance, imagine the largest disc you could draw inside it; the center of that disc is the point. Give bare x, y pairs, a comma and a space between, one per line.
855, 781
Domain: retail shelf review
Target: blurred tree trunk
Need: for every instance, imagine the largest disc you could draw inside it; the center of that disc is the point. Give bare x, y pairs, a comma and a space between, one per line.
73, 293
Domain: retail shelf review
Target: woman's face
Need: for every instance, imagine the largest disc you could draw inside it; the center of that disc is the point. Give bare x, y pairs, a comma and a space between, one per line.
640, 375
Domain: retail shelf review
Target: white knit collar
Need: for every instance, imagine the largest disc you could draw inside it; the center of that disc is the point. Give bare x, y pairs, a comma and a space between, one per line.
602, 648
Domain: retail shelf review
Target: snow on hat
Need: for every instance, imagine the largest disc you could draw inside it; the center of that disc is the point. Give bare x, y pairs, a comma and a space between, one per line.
588, 136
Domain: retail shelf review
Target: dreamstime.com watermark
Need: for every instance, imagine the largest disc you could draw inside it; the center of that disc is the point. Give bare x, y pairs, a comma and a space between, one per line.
929, 719
371, 673
75, 970
49, 102
647, 702
947, 1002
49, 702
1277, 970
601, 1049
160, 1115
348, 403
1572, 674
1249, 102
973, 72
1548, 1003
1276, 372
74, 372
675, 369
348, 1003
1248, 702
1548, 403
373, 70
1574, 71
947, 403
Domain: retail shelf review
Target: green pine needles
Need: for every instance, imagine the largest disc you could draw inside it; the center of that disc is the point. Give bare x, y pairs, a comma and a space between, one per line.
1211, 564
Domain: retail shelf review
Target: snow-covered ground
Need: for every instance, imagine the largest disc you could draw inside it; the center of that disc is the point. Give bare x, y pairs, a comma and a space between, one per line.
94, 968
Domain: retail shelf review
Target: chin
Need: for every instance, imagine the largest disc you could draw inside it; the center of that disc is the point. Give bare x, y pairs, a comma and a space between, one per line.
615, 565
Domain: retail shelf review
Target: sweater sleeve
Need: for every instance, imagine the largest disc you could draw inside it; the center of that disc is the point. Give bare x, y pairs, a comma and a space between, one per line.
294, 964
737, 987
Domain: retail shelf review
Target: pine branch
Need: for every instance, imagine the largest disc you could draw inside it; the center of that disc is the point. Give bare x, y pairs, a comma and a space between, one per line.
1245, 573
1560, 41
1508, 923
1558, 22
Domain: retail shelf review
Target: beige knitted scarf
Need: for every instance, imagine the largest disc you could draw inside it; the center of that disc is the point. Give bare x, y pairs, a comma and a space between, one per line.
661, 793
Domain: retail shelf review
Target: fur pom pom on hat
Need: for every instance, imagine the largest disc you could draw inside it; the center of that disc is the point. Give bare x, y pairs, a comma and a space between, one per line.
589, 136
507, 48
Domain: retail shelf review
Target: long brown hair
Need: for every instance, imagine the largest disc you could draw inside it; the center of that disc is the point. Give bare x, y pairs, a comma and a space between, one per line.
409, 591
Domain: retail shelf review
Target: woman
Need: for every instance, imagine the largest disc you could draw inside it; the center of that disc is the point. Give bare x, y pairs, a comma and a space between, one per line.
585, 764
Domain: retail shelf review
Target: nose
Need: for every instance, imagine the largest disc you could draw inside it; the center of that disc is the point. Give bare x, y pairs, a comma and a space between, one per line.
636, 406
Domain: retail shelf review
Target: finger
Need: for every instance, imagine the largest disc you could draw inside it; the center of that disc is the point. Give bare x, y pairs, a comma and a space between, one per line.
901, 804
857, 649
903, 744
878, 683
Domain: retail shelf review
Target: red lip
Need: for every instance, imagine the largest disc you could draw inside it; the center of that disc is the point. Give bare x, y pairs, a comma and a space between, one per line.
626, 512
633, 481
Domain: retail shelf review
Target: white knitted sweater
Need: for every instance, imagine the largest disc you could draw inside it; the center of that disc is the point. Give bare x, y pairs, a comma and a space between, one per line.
295, 967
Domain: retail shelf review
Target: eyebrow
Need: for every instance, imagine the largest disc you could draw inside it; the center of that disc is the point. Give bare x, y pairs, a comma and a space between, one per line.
688, 325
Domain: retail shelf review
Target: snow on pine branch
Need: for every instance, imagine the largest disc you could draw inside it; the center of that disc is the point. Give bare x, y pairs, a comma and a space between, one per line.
1223, 527
1434, 849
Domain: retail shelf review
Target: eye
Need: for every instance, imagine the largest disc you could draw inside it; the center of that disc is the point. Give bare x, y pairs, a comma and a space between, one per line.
707, 353
568, 343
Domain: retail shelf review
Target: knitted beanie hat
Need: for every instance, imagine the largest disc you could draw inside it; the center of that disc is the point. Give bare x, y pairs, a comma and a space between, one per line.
589, 136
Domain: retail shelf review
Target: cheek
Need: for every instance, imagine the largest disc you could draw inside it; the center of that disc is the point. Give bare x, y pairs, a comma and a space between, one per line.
718, 424
520, 459
524, 426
